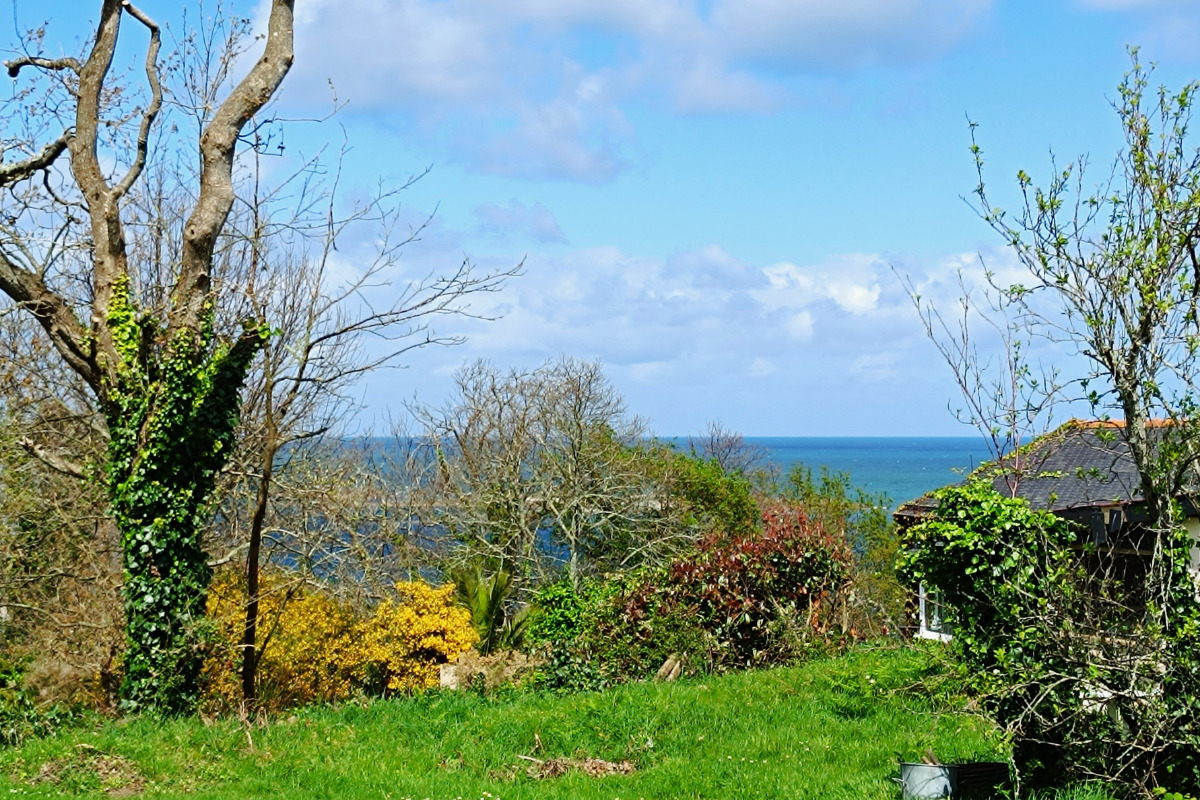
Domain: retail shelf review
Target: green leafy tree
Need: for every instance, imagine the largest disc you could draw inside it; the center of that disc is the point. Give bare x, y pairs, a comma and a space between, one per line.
860, 518
715, 498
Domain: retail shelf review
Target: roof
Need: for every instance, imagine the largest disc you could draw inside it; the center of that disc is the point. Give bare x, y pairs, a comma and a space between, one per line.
1081, 465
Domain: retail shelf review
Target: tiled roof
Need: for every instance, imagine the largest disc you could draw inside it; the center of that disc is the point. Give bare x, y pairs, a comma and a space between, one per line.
1080, 465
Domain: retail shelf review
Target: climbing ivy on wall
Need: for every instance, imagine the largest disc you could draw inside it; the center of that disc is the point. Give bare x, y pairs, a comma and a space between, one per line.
171, 416
1063, 647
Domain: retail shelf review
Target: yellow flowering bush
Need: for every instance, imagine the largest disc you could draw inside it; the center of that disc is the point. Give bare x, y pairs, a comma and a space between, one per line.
307, 635
319, 650
402, 646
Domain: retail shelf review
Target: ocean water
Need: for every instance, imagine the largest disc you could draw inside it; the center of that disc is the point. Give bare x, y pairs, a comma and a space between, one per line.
903, 468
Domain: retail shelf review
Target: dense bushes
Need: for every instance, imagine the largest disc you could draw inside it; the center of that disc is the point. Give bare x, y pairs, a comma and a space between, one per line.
1059, 647
22, 717
400, 648
751, 599
861, 518
317, 649
740, 580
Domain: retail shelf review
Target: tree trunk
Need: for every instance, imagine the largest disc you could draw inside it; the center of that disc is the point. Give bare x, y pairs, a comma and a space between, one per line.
250, 651
169, 439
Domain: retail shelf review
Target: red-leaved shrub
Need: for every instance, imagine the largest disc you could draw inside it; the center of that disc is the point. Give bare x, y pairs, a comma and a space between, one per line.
727, 603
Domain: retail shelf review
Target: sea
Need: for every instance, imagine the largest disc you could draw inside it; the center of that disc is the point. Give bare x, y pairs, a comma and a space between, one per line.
901, 467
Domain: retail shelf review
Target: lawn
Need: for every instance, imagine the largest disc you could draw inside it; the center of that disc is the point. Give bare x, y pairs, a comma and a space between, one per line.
830, 729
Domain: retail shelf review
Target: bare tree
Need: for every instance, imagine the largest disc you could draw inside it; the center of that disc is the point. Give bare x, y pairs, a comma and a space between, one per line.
730, 450
166, 387
298, 399
542, 471
1007, 395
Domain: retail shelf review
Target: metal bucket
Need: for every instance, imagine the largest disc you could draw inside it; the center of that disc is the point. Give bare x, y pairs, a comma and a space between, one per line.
927, 781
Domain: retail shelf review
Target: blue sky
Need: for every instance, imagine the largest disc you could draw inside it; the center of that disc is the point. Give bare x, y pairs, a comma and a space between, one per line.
712, 196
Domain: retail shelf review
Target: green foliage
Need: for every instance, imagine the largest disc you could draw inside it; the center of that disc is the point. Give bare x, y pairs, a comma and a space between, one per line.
21, 716
633, 631
718, 500
488, 598
570, 669
1082, 678
831, 500
171, 418
559, 612
727, 604
999, 566
985, 554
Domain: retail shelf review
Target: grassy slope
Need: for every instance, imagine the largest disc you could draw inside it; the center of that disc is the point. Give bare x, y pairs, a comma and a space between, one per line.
825, 730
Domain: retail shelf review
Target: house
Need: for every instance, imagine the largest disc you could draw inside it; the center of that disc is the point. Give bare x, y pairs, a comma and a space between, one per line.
1082, 472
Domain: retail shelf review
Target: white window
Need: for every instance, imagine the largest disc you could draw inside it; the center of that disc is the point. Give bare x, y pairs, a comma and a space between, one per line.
933, 616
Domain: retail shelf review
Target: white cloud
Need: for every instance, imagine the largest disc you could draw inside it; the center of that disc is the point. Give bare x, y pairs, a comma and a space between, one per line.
1169, 28
855, 298
800, 326
580, 135
704, 333
380, 52
761, 368
516, 219
847, 33
708, 84
852, 282
642, 17
508, 71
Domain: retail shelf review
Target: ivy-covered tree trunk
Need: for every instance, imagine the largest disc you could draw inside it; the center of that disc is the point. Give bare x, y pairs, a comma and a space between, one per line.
166, 384
171, 420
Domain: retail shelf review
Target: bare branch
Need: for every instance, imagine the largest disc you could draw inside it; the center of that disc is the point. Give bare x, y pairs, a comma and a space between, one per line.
217, 145
15, 65
20, 170
148, 116
52, 460
53, 314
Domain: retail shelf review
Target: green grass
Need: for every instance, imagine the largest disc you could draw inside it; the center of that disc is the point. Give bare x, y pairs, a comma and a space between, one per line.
830, 729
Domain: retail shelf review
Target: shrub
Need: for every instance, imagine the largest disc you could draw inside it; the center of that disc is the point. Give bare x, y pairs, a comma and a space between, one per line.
559, 612
570, 668
718, 500
633, 631
739, 585
315, 649
1084, 680
400, 648
830, 499
21, 716
722, 605
485, 591
304, 636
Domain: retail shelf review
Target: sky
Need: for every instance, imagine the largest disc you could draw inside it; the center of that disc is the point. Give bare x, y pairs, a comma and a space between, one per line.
716, 198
